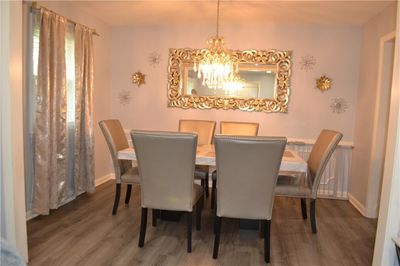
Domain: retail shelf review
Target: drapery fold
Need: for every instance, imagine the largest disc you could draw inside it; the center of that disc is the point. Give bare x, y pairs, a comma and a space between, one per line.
63, 128
51, 111
83, 166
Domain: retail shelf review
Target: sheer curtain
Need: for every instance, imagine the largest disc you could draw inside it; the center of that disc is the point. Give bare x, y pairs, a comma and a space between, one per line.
59, 112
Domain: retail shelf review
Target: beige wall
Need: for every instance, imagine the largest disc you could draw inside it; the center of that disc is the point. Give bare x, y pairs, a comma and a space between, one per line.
336, 50
102, 78
376, 28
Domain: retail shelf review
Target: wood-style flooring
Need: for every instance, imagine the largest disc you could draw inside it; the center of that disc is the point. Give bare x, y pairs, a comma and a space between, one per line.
84, 232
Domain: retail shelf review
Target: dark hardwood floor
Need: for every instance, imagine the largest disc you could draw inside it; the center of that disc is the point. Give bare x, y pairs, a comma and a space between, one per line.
84, 232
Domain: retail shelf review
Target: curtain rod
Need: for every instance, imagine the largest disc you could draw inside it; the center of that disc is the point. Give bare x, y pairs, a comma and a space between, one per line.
35, 6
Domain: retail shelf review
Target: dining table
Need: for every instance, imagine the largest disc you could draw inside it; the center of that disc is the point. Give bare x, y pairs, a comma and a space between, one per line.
205, 155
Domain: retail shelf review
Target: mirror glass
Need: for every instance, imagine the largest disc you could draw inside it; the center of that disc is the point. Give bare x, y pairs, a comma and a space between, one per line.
257, 81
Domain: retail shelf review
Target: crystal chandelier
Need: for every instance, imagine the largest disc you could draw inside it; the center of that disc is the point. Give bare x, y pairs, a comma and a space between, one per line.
216, 67
233, 86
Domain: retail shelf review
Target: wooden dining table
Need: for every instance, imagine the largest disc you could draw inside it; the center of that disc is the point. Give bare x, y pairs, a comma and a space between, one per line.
205, 155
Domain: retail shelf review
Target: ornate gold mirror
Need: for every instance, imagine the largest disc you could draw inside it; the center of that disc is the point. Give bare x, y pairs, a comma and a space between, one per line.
264, 74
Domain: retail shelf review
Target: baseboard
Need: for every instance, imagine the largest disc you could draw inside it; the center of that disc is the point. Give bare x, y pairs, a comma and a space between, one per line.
360, 207
103, 179
97, 182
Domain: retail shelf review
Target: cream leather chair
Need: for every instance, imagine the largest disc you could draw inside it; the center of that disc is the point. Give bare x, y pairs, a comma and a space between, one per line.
306, 186
166, 163
248, 169
124, 172
205, 133
232, 128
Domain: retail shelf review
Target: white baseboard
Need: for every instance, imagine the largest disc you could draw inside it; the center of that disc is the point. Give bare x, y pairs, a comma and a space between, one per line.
103, 179
97, 182
358, 205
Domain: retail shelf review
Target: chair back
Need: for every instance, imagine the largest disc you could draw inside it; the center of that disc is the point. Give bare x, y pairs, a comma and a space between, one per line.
239, 128
320, 154
205, 129
166, 163
247, 170
116, 140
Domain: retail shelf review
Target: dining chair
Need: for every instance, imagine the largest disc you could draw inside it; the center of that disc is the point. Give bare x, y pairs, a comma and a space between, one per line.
125, 173
205, 133
166, 162
305, 185
232, 128
248, 169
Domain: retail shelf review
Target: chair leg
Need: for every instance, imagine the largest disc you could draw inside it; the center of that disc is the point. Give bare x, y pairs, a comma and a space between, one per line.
303, 208
154, 216
189, 232
116, 200
199, 207
128, 193
207, 186
267, 240
217, 237
213, 192
262, 229
312, 217
143, 224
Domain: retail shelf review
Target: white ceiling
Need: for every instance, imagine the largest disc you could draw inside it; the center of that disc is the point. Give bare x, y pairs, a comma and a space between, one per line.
163, 12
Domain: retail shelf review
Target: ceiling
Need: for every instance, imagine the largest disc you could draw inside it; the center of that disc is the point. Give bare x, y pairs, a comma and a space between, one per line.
163, 12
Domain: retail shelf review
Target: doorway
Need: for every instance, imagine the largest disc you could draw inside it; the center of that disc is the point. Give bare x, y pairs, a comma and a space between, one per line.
381, 119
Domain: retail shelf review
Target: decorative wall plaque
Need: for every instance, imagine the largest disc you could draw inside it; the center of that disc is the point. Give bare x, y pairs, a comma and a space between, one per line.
338, 105
124, 97
138, 78
154, 59
324, 83
307, 62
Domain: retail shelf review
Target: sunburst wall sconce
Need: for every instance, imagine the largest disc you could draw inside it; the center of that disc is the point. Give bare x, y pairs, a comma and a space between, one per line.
138, 78
324, 83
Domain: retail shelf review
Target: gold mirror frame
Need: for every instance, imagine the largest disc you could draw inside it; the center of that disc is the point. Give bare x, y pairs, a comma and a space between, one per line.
282, 59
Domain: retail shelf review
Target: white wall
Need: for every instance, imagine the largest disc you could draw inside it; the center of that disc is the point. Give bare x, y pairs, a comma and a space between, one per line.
12, 153
376, 28
336, 50
389, 212
102, 77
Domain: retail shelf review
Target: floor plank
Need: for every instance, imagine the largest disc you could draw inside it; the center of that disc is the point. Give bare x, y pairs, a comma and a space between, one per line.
83, 232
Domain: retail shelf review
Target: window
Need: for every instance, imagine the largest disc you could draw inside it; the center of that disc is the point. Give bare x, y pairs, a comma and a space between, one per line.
69, 61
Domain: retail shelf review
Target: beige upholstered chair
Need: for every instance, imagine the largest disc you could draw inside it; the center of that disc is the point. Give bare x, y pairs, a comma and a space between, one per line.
205, 133
248, 169
124, 172
239, 128
306, 186
166, 162
232, 128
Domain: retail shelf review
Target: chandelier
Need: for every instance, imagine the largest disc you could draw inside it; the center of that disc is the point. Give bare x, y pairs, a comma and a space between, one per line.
216, 67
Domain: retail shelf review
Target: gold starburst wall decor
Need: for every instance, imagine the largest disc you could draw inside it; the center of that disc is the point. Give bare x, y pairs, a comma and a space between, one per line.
324, 83
138, 78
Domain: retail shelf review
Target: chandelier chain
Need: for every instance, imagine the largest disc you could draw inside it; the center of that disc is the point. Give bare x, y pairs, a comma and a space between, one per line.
217, 19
